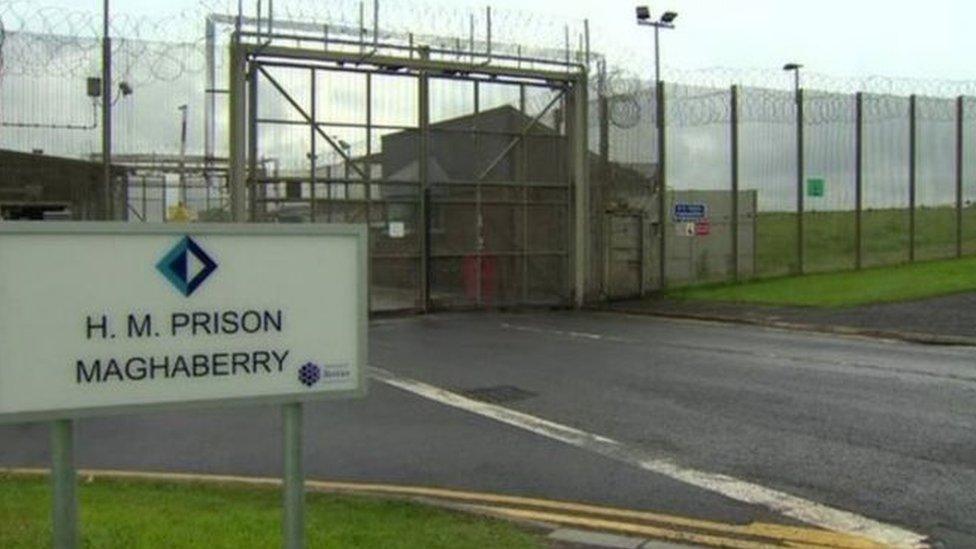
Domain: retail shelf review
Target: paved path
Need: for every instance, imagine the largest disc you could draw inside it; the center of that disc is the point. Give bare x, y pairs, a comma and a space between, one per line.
885, 431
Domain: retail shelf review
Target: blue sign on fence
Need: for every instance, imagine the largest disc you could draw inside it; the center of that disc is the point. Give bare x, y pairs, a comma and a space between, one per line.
688, 212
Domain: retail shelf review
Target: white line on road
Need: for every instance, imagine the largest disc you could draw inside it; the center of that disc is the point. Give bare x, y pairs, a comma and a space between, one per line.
810, 512
581, 335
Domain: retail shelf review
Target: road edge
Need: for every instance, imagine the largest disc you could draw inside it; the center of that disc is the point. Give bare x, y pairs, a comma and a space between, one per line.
873, 333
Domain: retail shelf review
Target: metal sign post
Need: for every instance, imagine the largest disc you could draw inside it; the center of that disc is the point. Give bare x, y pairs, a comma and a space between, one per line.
65, 515
294, 478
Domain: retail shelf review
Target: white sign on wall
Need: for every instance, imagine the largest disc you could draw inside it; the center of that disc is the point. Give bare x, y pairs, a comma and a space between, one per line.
103, 317
397, 229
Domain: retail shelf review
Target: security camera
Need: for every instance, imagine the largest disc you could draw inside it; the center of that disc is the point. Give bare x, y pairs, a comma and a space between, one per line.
125, 88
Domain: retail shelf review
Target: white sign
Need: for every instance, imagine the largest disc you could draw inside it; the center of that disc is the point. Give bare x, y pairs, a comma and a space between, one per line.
684, 229
397, 229
103, 317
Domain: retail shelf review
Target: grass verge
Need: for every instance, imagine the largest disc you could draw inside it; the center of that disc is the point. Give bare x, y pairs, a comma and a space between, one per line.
849, 288
135, 514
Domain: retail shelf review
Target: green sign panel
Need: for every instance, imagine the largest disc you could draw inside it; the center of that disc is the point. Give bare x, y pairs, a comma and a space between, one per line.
815, 187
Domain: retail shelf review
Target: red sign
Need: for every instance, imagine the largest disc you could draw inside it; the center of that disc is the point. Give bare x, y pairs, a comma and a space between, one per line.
703, 228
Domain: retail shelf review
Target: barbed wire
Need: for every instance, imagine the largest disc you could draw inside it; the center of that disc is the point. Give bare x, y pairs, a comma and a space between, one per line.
631, 101
40, 42
51, 39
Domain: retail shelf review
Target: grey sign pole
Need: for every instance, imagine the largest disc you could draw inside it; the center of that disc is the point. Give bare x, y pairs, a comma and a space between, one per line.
65, 510
294, 477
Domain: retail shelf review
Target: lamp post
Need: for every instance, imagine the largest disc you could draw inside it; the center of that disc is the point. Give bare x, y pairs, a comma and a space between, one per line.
665, 22
798, 97
795, 69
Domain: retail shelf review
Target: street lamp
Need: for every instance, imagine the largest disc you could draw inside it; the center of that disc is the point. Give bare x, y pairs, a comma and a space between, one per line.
665, 22
798, 98
795, 69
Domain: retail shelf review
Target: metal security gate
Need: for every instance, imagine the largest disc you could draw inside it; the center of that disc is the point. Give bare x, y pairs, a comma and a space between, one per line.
464, 171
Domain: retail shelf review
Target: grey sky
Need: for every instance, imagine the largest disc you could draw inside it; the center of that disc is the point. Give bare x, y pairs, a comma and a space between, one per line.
860, 38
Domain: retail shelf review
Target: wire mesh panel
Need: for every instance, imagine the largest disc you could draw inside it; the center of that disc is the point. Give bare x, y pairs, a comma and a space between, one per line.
624, 187
935, 216
455, 194
396, 224
493, 172
698, 174
543, 160
885, 215
829, 158
336, 146
969, 176
767, 166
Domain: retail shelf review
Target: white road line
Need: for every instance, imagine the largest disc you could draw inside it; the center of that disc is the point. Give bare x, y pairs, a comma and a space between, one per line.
552, 331
785, 504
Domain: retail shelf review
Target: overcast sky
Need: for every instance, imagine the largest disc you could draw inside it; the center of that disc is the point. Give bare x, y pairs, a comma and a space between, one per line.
859, 38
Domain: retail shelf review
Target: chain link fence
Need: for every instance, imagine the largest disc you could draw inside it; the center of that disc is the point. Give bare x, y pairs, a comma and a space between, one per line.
840, 181
711, 184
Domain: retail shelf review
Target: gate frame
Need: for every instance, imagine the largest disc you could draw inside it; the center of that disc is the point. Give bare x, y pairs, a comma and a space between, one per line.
246, 58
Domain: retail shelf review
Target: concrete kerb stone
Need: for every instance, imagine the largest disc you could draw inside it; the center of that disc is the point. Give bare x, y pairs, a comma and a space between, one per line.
911, 337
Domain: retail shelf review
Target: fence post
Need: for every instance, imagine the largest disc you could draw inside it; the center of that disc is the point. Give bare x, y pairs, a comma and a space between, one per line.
251, 178
960, 112
661, 184
580, 166
734, 139
859, 175
423, 123
912, 107
237, 167
799, 179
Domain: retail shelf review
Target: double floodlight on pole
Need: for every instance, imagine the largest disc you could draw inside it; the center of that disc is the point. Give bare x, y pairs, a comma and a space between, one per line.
665, 22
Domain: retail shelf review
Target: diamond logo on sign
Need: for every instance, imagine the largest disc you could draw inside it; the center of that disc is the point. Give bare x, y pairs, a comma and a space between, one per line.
186, 266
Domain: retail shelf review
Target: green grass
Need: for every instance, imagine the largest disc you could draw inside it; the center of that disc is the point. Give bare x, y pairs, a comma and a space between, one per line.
143, 514
829, 238
848, 288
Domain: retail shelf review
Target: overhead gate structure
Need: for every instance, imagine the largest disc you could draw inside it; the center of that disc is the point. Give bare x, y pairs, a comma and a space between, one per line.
470, 170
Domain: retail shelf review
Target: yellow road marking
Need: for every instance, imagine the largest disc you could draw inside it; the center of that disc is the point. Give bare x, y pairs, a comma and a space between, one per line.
625, 527
757, 529
560, 512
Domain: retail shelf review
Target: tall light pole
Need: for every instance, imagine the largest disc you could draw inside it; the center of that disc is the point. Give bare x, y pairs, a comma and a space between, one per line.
665, 22
795, 69
798, 97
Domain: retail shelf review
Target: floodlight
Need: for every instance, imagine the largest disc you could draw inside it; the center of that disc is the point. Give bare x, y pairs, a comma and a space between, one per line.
792, 67
669, 16
643, 14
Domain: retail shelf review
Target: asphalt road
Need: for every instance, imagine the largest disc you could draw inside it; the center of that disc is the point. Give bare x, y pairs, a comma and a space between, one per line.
885, 430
